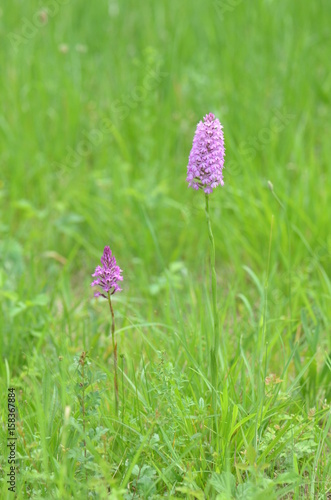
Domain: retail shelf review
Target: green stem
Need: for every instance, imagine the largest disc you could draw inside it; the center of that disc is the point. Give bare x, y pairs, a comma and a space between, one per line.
213, 279
214, 351
114, 351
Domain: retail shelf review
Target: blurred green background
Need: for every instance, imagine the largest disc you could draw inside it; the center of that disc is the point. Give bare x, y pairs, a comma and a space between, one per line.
99, 104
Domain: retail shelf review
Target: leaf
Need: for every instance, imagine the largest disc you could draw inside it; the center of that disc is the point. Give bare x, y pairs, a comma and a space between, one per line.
242, 422
20, 307
154, 439
40, 300
197, 494
287, 477
251, 455
136, 457
272, 444
223, 483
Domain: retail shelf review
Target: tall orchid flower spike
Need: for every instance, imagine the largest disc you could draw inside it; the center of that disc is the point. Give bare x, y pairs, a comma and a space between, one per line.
205, 171
107, 277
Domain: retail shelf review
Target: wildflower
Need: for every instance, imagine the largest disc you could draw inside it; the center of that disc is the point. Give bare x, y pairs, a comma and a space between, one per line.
204, 171
108, 274
206, 160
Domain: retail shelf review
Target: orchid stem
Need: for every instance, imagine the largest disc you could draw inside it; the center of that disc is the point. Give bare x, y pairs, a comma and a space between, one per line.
213, 278
214, 351
114, 351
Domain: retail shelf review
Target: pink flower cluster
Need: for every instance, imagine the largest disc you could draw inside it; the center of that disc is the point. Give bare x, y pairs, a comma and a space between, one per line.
206, 160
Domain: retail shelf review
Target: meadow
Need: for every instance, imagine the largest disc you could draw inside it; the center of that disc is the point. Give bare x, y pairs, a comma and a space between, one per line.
99, 105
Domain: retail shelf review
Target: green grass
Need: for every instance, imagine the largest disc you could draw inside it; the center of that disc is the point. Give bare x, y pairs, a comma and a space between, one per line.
136, 79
